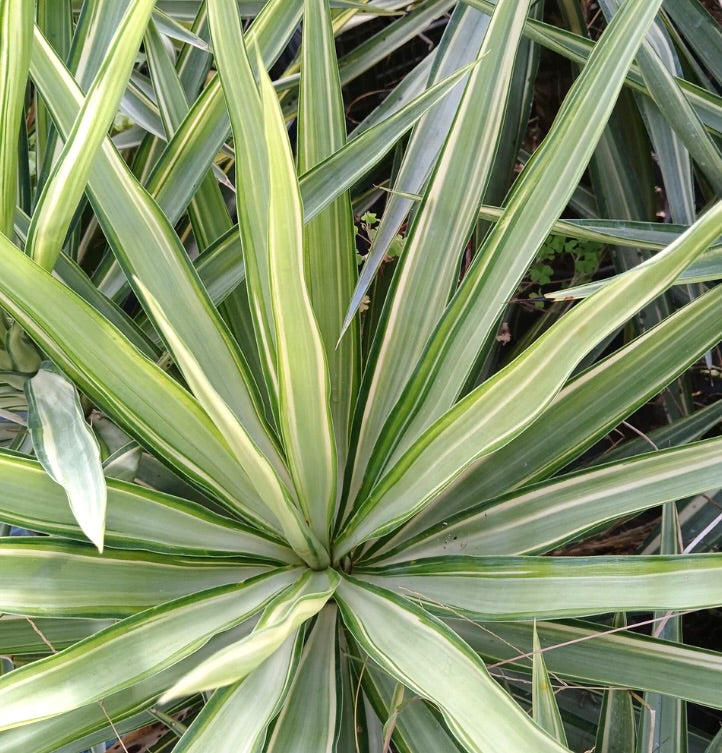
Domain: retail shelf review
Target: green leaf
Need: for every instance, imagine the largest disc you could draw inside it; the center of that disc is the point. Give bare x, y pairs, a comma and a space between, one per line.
17, 637
542, 517
100, 360
492, 414
330, 178
675, 107
71, 580
700, 30
249, 705
67, 448
416, 726
136, 517
537, 199
589, 407
545, 710
266, 482
617, 723
523, 588
578, 49
315, 678
303, 380
202, 133
422, 653
66, 182
329, 238
171, 28
422, 284
458, 47
134, 223
593, 654
133, 649
16, 33
124, 707
283, 616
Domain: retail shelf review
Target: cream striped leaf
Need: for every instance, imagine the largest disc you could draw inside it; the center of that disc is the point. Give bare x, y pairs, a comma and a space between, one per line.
131, 650
459, 46
537, 199
133, 223
588, 407
119, 379
492, 414
545, 710
304, 389
249, 705
524, 588
329, 238
16, 31
282, 617
591, 653
578, 49
67, 180
253, 191
315, 678
422, 653
266, 482
136, 517
544, 516
441, 228
72, 580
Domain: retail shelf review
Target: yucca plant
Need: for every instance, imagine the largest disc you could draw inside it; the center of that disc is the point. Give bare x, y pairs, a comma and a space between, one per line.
277, 523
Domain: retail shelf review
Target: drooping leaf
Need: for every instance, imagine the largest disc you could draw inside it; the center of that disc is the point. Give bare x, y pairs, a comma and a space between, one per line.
67, 448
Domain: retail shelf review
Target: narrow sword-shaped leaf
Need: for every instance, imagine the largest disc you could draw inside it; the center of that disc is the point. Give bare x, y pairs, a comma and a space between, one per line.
545, 710
171, 28
133, 223
617, 723
674, 106
330, 178
578, 49
303, 379
16, 34
133, 649
700, 30
283, 616
71, 580
591, 653
513, 588
589, 407
122, 707
202, 133
113, 373
315, 678
416, 727
66, 182
537, 199
136, 517
249, 705
422, 653
67, 448
269, 487
497, 402
328, 239
459, 46
544, 516
253, 191
429, 263
665, 726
